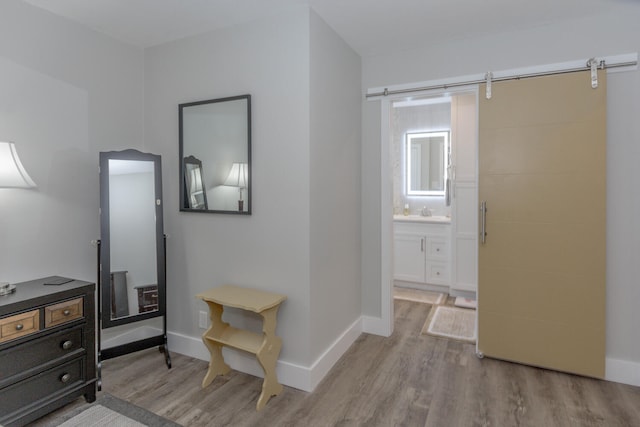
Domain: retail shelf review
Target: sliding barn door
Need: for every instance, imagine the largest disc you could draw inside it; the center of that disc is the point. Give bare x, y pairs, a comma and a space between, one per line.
541, 274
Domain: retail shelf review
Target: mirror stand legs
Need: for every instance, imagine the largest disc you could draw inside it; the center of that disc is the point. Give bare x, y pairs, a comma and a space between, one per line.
164, 348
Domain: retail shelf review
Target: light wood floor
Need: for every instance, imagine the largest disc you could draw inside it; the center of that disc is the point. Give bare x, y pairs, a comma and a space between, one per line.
407, 379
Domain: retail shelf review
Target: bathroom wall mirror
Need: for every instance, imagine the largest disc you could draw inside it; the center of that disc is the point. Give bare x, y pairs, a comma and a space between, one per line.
215, 155
426, 167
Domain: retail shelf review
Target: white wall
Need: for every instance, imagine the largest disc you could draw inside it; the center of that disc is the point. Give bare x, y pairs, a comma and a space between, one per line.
303, 238
614, 32
334, 165
269, 250
66, 93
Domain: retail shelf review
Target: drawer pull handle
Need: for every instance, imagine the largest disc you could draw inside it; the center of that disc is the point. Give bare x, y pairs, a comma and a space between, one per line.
19, 327
65, 378
66, 312
67, 345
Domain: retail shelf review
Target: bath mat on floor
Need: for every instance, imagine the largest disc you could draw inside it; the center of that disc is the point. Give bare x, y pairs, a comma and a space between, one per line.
451, 322
417, 295
466, 303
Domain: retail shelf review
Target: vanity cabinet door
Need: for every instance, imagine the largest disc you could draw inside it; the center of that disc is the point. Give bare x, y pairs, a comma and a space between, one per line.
409, 257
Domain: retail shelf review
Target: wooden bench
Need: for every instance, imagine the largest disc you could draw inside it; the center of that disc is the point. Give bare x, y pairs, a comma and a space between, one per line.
266, 346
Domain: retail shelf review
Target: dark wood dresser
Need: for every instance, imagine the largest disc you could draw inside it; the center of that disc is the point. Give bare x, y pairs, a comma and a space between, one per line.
47, 348
147, 298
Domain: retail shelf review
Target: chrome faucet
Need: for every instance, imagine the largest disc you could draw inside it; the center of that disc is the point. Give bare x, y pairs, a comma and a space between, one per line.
425, 211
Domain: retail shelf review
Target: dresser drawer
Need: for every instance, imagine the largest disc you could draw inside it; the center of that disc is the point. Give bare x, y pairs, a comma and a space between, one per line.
19, 325
63, 312
47, 349
33, 389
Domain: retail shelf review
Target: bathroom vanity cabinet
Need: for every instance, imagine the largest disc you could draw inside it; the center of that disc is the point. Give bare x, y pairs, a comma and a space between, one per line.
422, 251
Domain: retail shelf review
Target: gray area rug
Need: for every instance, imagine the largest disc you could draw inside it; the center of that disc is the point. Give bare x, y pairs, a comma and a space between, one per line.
109, 411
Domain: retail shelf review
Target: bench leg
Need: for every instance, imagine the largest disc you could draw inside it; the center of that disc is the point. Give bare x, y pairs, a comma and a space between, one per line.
217, 365
268, 357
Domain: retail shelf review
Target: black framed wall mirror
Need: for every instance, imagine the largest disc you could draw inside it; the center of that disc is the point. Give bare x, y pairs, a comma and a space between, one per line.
132, 247
215, 155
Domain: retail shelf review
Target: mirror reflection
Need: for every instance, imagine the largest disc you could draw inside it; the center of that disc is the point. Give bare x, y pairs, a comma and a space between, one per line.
426, 154
132, 225
196, 196
215, 153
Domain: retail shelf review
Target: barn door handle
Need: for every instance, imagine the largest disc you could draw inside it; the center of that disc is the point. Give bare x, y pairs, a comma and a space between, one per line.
483, 222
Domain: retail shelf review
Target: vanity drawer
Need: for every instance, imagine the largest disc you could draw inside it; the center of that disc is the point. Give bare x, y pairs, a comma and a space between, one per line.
63, 312
47, 349
19, 325
33, 389
437, 272
437, 248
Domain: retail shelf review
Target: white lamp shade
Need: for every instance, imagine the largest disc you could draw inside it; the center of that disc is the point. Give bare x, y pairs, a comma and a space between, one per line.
238, 176
12, 173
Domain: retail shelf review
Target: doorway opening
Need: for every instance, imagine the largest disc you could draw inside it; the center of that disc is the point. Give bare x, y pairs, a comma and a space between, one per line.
444, 257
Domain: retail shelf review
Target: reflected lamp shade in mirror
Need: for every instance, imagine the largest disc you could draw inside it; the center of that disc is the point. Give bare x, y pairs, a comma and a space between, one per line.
12, 173
238, 178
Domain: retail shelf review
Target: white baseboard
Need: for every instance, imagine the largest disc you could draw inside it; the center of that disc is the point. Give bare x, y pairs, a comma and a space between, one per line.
290, 374
462, 293
375, 326
325, 362
622, 371
421, 286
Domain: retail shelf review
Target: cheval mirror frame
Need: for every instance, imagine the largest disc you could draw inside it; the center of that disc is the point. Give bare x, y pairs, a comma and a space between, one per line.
131, 222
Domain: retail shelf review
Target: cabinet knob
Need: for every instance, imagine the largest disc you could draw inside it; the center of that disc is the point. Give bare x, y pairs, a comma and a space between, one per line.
65, 378
67, 345
19, 327
66, 312
438, 273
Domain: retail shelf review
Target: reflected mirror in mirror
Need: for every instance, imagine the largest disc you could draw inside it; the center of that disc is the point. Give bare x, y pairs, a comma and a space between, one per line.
194, 189
215, 153
132, 225
426, 154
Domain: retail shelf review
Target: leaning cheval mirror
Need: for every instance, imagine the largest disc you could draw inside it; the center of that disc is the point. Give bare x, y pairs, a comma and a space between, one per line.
132, 249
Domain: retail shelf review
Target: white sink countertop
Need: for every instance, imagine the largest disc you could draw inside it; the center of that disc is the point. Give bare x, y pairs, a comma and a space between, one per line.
420, 218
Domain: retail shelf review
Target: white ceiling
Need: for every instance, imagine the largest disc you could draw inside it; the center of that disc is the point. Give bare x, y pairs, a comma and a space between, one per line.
370, 27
